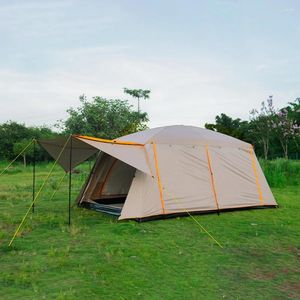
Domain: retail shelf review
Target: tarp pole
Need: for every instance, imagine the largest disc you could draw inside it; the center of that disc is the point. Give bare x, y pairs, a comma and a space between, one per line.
33, 174
38, 193
70, 180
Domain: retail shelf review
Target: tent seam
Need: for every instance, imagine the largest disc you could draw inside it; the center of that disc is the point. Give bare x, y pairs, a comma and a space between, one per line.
212, 177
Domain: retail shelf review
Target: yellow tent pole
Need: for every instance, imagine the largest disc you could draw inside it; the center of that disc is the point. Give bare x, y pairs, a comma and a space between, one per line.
33, 140
38, 193
58, 186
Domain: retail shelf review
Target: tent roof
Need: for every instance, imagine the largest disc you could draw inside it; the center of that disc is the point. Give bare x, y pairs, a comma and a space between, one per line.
183, 135
130, 148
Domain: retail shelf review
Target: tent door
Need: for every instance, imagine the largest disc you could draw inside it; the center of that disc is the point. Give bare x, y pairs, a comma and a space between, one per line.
109, 186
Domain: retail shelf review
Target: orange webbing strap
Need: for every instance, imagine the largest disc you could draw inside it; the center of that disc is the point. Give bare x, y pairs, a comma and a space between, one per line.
158, 178
108, 141
212, 181
256, 175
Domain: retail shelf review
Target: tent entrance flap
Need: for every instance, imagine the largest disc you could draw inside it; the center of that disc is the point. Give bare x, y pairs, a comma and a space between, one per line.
107, 188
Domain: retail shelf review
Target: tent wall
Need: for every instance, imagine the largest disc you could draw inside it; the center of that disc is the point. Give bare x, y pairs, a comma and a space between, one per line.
235, 178
190, 187
268, 198
197, 178
143, 198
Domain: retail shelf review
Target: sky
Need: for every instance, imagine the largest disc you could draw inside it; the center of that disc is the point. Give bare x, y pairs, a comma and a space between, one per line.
198, 58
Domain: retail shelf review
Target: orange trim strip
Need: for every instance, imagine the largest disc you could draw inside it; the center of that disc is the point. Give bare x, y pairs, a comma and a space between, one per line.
158, 178
212, 181
108, 141
256, 176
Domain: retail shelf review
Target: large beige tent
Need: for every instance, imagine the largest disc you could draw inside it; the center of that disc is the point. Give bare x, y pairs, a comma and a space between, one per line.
166, 171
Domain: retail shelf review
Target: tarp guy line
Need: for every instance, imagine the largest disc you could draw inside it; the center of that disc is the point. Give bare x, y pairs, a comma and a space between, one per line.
38, 193
197, 222
33, 140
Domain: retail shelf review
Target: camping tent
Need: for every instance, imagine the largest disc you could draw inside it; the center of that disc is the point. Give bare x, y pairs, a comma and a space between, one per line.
165, 171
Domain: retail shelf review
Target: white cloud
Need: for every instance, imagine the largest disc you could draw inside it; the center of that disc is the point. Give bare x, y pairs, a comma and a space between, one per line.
289, 10
261, 67
186, 92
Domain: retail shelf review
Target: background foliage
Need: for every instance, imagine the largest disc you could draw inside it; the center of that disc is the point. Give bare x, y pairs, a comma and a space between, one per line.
103, 118
273, 132
99, 117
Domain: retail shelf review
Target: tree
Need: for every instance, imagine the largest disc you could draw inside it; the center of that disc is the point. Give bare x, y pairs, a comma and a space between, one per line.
262, 124
10, 132
103, 118
19, 146
14, 136
227, 125
138, 93
286, 126
293, 110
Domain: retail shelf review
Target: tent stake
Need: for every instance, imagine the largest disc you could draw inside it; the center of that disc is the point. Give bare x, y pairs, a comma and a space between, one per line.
33, 175
70, 180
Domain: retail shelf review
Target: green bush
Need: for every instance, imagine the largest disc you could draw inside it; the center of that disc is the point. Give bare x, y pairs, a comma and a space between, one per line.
281, 172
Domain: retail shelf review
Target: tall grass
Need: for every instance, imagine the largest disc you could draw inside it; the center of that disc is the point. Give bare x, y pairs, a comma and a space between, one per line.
281, 172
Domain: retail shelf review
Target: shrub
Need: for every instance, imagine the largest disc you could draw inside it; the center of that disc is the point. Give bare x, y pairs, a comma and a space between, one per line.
281, 172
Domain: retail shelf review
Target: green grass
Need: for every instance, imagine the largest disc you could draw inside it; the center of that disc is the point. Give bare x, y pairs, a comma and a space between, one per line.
281, 172
100, 258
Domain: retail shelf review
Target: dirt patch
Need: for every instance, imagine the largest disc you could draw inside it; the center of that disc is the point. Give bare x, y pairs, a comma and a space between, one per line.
260, 275
292, 290
295, 251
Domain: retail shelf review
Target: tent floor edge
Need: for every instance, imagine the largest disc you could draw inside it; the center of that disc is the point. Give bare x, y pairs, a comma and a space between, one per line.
109, 211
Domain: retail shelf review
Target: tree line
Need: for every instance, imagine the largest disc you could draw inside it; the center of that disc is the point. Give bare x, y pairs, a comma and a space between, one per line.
99, 117
273, 132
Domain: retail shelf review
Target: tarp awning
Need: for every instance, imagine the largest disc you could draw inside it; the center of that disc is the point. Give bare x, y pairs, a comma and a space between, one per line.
84, 147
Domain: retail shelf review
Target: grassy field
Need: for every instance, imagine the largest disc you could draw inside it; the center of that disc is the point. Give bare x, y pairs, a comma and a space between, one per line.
100, 258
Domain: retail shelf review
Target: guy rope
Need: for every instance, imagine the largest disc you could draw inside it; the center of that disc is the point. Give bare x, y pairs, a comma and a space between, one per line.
38, 193
32, 141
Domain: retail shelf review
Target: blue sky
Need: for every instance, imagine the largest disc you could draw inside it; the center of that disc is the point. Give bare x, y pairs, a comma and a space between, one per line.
199, 58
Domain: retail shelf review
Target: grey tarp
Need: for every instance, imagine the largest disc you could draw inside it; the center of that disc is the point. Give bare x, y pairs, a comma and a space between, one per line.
83, 148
